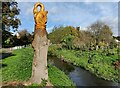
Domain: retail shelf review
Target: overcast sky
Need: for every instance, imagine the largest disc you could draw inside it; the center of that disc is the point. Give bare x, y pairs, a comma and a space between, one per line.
75, 14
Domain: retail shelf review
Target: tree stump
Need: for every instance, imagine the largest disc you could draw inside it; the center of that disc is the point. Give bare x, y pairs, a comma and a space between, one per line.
40, 45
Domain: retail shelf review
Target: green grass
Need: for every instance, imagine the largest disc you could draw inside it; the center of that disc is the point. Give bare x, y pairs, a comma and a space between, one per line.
55, 74
19, 67
97, 62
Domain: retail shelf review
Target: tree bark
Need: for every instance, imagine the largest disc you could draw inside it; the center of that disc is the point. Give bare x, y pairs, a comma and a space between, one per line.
39, 67
40, 45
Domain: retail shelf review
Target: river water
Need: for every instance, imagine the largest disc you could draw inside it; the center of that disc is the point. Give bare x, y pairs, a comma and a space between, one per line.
78, 75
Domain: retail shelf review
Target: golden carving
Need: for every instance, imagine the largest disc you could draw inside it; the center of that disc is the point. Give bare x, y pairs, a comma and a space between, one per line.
40, 17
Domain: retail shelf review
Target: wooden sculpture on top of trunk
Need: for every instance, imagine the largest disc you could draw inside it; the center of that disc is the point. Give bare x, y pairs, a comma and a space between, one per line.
40, 45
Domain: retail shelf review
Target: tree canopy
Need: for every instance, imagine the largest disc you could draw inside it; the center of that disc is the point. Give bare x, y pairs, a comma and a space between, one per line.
98, 34
10, 11
10, 22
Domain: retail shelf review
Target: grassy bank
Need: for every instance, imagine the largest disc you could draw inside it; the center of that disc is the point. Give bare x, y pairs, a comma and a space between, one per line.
18, 68
97, 62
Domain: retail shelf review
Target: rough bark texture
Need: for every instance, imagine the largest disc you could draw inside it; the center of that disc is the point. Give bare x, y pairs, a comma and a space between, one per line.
39, 68
40, 45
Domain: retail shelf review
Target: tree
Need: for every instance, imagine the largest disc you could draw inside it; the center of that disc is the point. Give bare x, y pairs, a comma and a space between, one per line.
87, 38
9, 16
60, 32
101, 33
9, 19
105, 34
7, 39
24, 37
71, 37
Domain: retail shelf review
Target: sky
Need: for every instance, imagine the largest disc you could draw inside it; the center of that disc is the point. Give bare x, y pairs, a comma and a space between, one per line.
75, 14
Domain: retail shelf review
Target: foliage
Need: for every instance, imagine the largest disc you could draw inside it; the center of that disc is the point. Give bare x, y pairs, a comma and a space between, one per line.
10, 21
70, 37
10, 40
59, 33
74, 38
7, 38
10, 11
105, 34
98, 62
19, 67
95, 28
67, 42
24, 37
101, 32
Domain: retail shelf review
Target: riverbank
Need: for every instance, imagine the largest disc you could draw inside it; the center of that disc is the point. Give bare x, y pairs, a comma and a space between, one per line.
18, 68
97, 62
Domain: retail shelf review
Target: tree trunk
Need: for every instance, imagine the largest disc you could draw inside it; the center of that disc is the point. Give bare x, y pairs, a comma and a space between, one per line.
40, 45
39, 67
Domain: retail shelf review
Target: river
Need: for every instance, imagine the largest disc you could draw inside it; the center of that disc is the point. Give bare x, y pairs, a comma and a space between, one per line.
78, 75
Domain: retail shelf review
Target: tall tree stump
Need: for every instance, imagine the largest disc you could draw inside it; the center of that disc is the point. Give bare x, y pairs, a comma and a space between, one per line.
40, 45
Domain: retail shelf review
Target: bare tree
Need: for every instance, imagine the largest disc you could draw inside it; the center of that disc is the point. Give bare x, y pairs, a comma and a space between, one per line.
95, 29
105, 34
101, 32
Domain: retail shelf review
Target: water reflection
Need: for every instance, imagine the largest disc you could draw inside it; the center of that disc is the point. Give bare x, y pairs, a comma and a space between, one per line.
78, 75
67, 68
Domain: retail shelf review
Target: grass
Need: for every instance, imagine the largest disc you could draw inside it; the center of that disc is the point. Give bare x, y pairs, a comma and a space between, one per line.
55, 74
19, 67
97, 61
